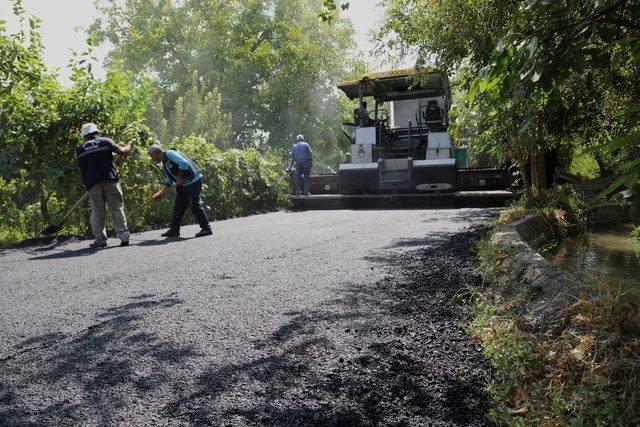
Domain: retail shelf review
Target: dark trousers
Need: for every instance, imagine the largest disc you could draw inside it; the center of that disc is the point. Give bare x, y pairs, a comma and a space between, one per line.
302, 177
189, 197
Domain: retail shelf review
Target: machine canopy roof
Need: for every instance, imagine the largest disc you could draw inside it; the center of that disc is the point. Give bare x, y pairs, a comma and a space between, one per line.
398, 85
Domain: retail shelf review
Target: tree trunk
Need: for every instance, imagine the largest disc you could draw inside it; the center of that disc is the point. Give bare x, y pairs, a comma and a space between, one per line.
634, 211
602, 165
522, 166
538, 171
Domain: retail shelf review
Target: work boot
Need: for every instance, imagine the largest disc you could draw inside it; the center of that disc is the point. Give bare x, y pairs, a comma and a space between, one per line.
171, 233
124, 243
204, 232
98, 245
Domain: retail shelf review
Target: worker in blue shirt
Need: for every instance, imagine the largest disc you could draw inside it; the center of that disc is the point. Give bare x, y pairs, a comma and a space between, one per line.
302, 157
187, 177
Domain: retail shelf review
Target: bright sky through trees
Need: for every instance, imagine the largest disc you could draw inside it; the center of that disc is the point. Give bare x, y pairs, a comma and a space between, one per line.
63, 21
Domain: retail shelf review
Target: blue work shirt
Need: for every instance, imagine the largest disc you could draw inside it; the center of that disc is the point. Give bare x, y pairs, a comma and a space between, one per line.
301, 152
175, 164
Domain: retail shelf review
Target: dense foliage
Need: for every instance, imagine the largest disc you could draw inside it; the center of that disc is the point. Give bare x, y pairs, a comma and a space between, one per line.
530, 77
39, 122
39, 125
271, 64
535, 75
577, 370
237, 182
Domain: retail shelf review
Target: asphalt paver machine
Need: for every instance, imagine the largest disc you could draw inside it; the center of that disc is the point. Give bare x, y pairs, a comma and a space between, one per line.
402, 144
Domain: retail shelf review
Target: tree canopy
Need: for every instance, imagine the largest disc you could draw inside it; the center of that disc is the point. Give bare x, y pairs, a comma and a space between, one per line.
534, 75
273, 63
228, 83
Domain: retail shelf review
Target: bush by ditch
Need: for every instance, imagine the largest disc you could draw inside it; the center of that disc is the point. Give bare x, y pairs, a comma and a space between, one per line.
565, 210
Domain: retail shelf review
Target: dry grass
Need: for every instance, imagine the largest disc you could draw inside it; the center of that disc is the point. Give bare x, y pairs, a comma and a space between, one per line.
511, 214
582, 372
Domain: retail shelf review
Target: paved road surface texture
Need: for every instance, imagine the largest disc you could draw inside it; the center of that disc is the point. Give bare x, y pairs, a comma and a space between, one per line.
321, 318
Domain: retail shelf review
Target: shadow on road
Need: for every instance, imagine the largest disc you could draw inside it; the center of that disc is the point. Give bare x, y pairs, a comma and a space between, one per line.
391, 255
468, 216
91, 376
163, 241
69, 253
74, 253
391, 352
388, 353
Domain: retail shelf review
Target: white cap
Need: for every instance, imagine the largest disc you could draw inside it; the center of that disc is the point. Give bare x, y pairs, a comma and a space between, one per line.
88, 129
300, 138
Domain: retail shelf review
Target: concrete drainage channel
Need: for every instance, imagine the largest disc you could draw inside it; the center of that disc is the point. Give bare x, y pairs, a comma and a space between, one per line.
551, 288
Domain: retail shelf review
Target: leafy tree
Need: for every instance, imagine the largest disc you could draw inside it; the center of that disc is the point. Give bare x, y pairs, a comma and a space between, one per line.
540, 75
533, 75
329, 9
195, 113
274, 63
579, 61
27, 109
448, 33
39, 124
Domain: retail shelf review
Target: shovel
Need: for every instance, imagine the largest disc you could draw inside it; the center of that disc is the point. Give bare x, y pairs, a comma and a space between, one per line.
54, 228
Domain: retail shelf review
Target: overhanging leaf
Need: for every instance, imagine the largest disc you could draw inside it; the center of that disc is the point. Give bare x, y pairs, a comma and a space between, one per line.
532, 46
537, 73
630, 165
621, 141
627, 180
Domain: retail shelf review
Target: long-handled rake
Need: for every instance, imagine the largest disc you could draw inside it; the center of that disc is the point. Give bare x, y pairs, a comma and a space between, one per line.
54, 228
146, 203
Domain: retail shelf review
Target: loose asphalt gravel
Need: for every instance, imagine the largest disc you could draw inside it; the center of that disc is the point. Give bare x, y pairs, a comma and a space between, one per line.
308, 318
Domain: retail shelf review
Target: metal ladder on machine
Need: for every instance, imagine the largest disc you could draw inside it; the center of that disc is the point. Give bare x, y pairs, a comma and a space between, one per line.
396, 173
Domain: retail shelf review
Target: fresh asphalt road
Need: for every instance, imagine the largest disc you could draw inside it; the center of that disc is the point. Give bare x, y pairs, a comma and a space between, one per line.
142, 334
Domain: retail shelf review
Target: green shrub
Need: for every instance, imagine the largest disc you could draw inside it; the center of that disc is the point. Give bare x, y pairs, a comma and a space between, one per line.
237, 183
563, 209
40, 120
13, 218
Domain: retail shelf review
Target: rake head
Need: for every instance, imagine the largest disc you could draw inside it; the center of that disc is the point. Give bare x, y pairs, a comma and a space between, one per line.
52, 229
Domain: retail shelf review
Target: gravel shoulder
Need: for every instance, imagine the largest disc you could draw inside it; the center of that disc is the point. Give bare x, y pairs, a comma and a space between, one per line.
328, 318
